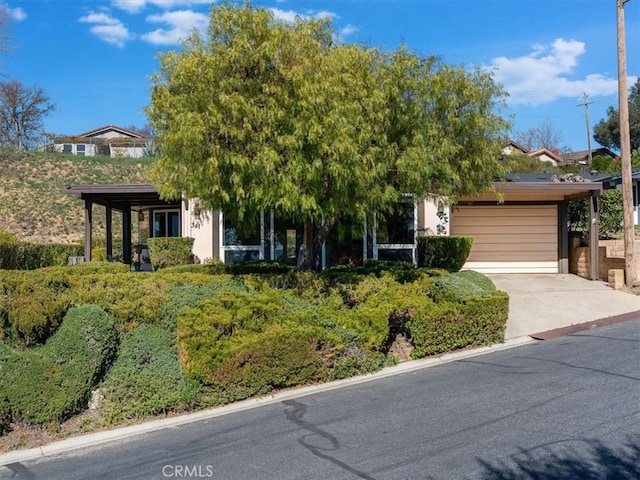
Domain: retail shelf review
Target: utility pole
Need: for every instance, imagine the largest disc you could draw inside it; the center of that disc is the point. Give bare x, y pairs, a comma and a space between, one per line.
625, 153
586, 104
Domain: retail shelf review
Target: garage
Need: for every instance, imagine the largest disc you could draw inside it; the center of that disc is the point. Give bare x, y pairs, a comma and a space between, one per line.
510, 238
521, 226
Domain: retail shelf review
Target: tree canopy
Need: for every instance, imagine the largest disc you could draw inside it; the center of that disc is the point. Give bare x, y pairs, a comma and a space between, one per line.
261, 113
607, 131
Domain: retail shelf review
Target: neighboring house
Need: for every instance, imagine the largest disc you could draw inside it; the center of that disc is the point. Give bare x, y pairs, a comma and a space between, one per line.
512, 147
109, 141
518, 227
582, 157
542, 154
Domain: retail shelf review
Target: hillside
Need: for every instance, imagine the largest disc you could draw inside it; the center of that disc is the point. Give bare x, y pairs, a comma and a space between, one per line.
33, 205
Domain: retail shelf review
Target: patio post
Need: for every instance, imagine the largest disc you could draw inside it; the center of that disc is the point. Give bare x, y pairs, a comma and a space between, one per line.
126, 235
109, 233
563, 228
593, 237
88, 228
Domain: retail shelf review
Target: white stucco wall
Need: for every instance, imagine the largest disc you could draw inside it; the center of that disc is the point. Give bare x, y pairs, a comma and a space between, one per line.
200, 229
430, 221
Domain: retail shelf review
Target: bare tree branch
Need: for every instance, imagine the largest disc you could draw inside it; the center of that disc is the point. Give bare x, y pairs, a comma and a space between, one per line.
22, 110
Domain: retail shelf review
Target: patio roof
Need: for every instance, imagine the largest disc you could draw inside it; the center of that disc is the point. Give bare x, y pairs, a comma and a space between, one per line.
539, 190
121, 197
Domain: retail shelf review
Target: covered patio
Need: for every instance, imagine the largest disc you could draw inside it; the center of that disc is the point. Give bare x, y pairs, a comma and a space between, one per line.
121, 198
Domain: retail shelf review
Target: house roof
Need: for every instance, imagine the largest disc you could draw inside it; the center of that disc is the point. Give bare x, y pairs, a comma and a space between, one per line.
543, 151
112, 128
617, 177
583, 155
121, 197
515, 145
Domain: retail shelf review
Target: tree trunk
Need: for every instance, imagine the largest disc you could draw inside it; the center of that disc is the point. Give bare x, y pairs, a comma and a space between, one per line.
306, 255
314, 236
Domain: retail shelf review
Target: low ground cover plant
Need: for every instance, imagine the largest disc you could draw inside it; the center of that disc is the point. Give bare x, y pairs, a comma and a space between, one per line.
47, 384
203, 335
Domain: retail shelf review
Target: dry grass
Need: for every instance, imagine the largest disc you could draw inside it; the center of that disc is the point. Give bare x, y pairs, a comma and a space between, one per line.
33, 204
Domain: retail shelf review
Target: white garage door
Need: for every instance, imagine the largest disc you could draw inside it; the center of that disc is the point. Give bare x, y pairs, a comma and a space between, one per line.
509, 239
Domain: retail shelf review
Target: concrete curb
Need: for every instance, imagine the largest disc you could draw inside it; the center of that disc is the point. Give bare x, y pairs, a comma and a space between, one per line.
93, 439
580, 327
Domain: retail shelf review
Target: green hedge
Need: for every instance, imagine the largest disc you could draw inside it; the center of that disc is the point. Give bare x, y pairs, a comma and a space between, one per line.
47, 384
195, 336
245, 268
170, 251
450, 326
146, 378
8, 250
18, 255
458, 286
446, 252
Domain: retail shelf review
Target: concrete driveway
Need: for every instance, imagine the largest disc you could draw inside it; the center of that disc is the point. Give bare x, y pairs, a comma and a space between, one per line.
538, 302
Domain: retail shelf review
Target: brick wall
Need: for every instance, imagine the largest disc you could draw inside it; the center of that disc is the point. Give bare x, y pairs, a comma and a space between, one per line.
610, 256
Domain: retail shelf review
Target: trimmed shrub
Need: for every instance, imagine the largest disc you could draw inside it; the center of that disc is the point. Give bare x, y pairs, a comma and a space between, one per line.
170, 251
8, 250
5, 416
47, 384
17, 255
31, 305
446, 252
277, 358
450, 326
145, 379
246, 268
31, 255
459, 286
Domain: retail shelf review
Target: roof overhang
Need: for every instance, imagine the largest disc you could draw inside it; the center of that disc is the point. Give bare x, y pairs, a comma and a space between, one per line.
121, 197
536, 192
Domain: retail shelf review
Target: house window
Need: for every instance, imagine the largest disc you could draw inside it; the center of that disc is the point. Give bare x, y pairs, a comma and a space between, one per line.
67, 148
395, 232
80, 149
166, 223
242, 240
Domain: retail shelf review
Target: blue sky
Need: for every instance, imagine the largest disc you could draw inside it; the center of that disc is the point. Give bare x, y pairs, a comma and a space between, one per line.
94, 57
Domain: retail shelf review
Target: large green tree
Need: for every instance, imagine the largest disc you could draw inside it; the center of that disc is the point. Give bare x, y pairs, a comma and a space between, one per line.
261, 113
607, 131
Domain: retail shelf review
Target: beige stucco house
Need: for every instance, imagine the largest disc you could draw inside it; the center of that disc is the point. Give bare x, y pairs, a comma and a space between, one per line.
110, 141
517, 227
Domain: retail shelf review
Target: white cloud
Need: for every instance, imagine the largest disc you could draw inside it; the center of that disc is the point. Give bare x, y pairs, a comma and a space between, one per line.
180, 24
291, 15
135, 6
107, 28
100, 17
543, 75
17, 14
347, 31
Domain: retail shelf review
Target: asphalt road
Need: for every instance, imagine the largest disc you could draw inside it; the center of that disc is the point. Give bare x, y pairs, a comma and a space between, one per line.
567, 408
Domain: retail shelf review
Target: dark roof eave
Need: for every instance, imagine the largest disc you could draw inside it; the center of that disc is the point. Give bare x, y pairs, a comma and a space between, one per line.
121, 197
